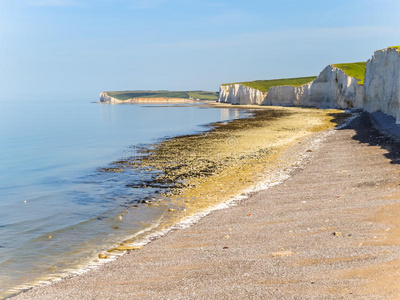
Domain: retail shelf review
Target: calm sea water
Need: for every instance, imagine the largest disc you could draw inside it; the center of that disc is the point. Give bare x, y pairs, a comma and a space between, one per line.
57, 211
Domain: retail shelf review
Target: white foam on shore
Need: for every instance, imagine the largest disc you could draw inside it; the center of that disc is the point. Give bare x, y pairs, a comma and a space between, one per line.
276, 177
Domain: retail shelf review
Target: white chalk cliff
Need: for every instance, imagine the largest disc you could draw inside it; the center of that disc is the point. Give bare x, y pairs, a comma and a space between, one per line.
240, 94
333, 88
104, 97
382, 83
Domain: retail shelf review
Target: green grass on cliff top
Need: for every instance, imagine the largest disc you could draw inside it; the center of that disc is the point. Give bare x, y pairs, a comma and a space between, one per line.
391, 47
201, 95
395, 47
356, 70
265, 85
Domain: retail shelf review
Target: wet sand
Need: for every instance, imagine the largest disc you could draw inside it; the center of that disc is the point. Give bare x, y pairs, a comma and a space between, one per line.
329, 231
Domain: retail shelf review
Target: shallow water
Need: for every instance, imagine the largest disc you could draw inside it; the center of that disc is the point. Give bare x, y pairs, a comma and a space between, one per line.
57, 210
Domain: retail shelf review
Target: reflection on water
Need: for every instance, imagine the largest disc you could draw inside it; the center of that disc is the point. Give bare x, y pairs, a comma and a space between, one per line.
230, 113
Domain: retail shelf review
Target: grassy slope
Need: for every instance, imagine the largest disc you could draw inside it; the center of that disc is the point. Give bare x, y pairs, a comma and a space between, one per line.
356, 70
124, 95
264, 85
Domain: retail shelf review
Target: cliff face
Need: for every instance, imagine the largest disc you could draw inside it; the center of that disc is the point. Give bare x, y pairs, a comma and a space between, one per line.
240, 94
104, 97
332, 88
282, 95
382, 83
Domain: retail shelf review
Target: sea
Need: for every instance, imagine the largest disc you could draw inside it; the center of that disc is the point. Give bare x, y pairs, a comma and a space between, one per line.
58, 210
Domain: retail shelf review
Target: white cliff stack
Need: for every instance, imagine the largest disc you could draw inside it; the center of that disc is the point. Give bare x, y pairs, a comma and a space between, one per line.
382, 83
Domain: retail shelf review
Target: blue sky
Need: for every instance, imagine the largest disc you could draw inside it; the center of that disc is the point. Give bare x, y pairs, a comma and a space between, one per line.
85, 47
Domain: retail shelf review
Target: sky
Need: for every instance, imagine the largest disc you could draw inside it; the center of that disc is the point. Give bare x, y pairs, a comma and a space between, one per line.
84, 47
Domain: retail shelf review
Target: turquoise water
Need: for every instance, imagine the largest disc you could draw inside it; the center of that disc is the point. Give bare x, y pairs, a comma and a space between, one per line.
50, 186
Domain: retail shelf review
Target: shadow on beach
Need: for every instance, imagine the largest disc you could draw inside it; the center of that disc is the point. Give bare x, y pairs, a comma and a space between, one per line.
368, 133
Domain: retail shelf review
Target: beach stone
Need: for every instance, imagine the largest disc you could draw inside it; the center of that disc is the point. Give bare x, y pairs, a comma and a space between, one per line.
282, 253
128, 248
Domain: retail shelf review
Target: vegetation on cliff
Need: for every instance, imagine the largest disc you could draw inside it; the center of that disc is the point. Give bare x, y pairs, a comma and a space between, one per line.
265, 85
201, 95
395, 47
356, 70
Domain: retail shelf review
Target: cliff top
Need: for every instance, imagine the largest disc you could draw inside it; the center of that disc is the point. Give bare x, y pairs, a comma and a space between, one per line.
395, 47
391, 47
265, 85
201, 95
356, 70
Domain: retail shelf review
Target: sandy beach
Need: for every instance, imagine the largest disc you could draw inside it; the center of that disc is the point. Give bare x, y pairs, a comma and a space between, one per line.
329, 231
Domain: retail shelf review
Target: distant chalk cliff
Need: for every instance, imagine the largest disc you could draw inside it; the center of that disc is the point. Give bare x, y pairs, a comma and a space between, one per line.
104, 97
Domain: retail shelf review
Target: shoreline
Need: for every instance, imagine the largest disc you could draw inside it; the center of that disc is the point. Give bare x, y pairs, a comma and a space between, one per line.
184, 221
87, 259
333, 236
83, 257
